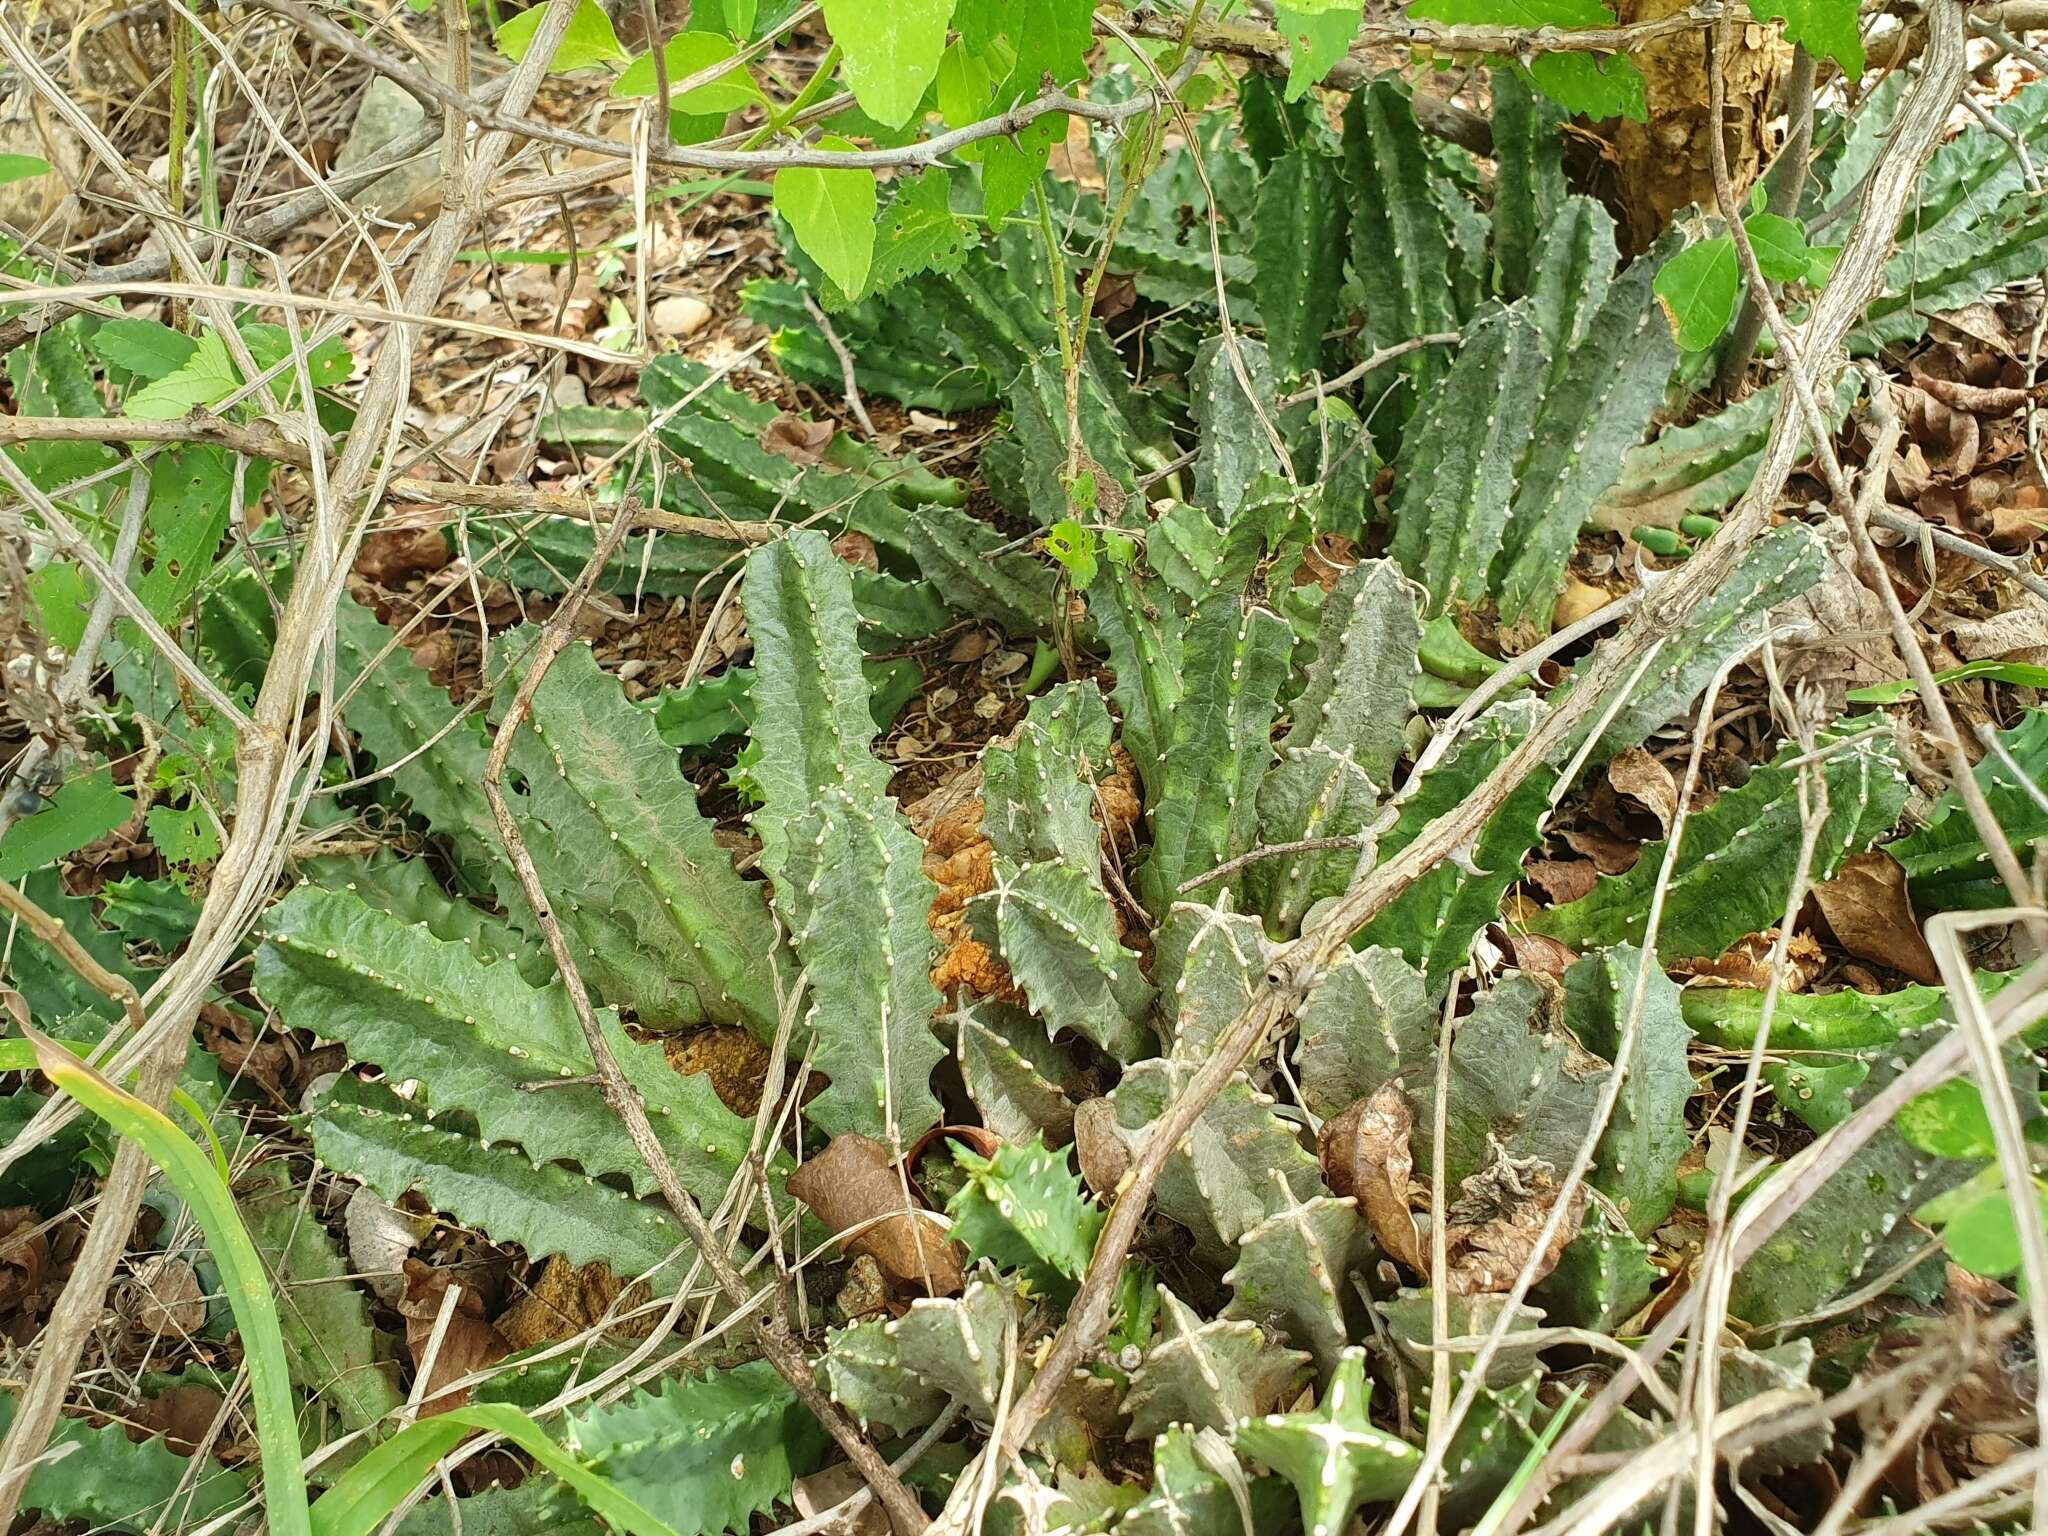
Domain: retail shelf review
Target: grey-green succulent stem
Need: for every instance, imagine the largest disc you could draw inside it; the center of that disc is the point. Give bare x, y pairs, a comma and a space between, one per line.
1295, 969
771, 1328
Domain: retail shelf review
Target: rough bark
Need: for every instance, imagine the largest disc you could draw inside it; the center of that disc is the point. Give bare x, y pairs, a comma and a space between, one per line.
1666, 163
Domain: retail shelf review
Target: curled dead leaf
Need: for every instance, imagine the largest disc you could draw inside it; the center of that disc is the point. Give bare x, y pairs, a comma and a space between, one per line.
797, 438
1099, 1144
1867, 905
1365, 1153
1645, 780
469, 1343
167, 1299
857, 1190
1491, 1230
1747, 963
24, 1255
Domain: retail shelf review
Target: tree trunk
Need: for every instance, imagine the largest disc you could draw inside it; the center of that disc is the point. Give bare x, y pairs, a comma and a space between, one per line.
1667, 163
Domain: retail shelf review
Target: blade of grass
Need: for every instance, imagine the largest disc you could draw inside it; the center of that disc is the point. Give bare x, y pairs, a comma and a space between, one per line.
20, 1056
206, 1195
375, 1485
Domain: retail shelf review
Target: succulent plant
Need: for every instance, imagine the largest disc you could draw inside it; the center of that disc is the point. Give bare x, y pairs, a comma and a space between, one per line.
1334, 1456
1210, 1375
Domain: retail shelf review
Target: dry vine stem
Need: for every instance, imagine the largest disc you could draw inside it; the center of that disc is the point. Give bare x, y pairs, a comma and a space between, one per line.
1297, 967
272, 758
771, 1330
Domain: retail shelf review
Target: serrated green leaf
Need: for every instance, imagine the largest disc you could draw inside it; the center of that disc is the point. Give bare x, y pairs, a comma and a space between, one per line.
1520, 1087
1946, 860
330, 1345
88, 806
1207, 806
1293, 1273
1401, 252
1827, 28
1236, 1167
1334, 1456
918, 231
1211, 1375
1602, 1279
1366, 1020
1636, 1164
855, 896
1529, 185
1298, 243
1433, 923
1736, 859
202, 381
1025, 1209
473, 1033
367, 1130
102, 1477
1343, 739
148, 349
1058, 934
956, 1345
706, 1454
865, 1374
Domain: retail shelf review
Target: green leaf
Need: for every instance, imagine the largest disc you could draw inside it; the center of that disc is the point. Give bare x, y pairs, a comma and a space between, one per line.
1592, 85
1779, 245
192, 1173
1578, 82
112, 1483
1074, 547
366, 1495
1984, 1237
1293, 1273
392, 1146
2019, 673
87, 807
1638, 1157
1828, 28
589, 40
474, 1032
1949, 1121
1025, 1209
1698, 289
832, 214
1298, 242
686, 54
202, 381
331, 1347
917, 232
1735, 862
21, 168
1333, 1455
704, 1455
146, 348
891, 52
1946, 860
63, 595
1211, 1375
1317, 38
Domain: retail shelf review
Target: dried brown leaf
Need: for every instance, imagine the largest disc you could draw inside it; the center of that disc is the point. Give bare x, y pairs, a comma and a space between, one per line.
1491, 1230
854, 1188
1645, 780
797, 438
470, 1342
1365, 1153
1867, 906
